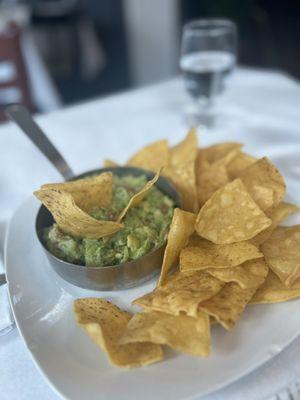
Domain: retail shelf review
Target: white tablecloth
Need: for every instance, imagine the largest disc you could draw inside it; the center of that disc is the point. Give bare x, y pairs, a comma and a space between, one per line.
258, 104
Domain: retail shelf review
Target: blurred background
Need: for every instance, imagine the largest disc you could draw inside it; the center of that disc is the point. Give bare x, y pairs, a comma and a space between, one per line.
57, 52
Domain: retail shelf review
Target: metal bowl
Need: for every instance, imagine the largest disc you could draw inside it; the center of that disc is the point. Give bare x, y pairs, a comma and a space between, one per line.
114, 277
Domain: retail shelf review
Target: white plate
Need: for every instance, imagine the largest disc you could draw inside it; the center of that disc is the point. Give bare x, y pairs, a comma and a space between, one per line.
77, 369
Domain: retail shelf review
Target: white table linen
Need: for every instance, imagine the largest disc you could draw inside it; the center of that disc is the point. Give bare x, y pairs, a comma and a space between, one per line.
262, 110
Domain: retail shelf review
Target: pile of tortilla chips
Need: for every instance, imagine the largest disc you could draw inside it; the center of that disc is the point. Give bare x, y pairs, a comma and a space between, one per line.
225, 250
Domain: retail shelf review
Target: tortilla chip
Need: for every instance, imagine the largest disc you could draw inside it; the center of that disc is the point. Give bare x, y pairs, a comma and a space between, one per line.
264, 183
231, 215
152, 157
210, 179
105, 323
195, 240
250, 274
181, 228
228, 305
183, 178
201, 164
182, 292
238, 164
73, 220
282, 253
186, 150
282, 211
181, 170
273, 291
138, 197
88, 192
182, 333
110, 163
207, 254
221, 151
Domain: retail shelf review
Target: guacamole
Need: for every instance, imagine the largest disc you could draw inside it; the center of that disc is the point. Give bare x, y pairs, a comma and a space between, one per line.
145, 228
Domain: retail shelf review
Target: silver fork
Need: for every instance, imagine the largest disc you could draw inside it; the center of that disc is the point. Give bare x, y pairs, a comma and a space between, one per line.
290, 392
2, 279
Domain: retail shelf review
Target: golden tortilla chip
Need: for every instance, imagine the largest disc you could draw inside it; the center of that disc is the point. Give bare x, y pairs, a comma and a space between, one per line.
207, 254
138, 197
110, 163
201, 164
181, 228
152, 157
182, 292
231, 215
264, 183
182, 333
210, 179
73, 220
183, 178
221, 151
282, 211
282, 253
238, 164
250, 274
105, 323
195, 240
88, 192
186, 150
274, 291
228, 305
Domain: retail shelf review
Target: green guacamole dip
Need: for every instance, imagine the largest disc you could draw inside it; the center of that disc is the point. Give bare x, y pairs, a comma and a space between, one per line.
145, 228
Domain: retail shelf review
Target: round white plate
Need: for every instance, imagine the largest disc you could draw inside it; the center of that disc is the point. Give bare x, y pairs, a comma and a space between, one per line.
77, 369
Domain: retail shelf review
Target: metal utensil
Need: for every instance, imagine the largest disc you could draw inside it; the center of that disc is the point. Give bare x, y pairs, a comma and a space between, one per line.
21, 116
290, 392
121, 276
2, 279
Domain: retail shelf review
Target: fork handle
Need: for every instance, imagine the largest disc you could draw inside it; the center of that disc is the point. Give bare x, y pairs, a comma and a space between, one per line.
2, 279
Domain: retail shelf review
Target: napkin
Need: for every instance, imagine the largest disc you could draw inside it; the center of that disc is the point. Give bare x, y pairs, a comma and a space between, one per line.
6, 318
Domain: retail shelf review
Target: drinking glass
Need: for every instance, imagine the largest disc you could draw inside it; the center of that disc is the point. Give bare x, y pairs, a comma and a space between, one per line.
208, 56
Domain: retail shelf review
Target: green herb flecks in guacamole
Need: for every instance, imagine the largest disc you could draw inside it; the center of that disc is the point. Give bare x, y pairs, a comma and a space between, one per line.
146, 228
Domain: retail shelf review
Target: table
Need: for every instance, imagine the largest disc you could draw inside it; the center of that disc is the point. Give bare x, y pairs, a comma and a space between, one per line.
258, 102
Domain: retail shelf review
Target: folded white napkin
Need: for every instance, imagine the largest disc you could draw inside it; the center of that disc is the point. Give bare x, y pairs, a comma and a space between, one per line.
6, 318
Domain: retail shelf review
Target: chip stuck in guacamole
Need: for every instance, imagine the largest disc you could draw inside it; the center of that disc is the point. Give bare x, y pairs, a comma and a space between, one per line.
145, 227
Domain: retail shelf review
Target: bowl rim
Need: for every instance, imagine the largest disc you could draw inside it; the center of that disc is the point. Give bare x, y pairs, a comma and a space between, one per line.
83, 175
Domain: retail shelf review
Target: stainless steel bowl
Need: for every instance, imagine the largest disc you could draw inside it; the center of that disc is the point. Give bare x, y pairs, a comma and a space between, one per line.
114, 277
